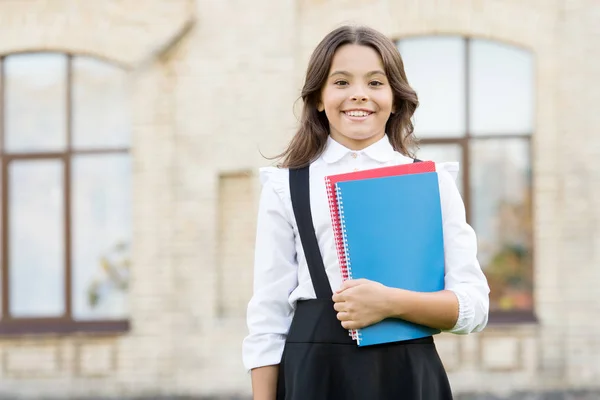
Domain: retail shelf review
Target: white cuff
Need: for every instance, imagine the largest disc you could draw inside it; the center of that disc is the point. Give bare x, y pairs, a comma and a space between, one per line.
262, 350
466, 314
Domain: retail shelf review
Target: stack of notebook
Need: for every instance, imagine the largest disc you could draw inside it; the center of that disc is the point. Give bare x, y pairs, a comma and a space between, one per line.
387, 225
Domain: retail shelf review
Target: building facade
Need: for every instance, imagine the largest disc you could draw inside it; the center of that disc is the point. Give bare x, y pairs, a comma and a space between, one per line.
130, 137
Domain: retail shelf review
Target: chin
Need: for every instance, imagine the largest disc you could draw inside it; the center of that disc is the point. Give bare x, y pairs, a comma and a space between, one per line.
361, 136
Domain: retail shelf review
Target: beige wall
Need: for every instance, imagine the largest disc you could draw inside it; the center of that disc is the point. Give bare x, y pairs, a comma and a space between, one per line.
214, 82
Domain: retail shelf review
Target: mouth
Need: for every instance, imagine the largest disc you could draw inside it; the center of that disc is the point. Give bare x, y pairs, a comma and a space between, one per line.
357, 115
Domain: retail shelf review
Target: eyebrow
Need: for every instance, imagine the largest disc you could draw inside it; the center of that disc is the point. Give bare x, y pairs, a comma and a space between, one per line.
346, 73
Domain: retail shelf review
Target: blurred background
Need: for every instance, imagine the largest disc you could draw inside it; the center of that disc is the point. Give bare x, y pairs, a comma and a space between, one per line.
130, 137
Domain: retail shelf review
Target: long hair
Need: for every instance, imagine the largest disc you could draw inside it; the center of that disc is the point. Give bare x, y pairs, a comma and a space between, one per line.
309, 141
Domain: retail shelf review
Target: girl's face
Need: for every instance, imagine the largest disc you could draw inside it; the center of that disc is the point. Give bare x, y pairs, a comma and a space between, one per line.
357, 97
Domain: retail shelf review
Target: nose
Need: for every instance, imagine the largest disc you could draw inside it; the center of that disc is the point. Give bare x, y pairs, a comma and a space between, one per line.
359, 98
359, 95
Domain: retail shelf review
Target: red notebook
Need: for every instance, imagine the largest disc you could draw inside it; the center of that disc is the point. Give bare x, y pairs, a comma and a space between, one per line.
331, 180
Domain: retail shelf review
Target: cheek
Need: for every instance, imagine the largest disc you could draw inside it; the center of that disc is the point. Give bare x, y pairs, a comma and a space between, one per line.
385, 110
332, 100
332, 110
386, 102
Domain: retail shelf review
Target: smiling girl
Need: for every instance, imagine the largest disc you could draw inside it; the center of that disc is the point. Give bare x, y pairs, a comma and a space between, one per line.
357, 115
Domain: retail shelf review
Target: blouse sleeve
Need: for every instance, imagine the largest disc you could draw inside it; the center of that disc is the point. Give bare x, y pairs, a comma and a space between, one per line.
269, 313
464, 276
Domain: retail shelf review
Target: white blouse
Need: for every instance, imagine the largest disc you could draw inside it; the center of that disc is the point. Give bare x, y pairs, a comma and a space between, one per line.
281, 274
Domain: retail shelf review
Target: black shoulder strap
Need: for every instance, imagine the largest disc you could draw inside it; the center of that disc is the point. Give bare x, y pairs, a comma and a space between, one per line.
300, 193
416, 160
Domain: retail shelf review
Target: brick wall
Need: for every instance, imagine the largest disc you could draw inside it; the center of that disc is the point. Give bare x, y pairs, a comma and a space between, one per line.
207, 99
578, 188
236, 228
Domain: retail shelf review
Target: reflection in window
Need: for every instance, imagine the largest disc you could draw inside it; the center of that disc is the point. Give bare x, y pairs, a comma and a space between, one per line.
99, 105
501, 89
435, 68
36, 237
101, 235
68, 186
478, 107
501, 193
35, 100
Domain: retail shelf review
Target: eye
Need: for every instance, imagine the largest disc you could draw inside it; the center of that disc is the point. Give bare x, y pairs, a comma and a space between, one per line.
376, 83
340, 82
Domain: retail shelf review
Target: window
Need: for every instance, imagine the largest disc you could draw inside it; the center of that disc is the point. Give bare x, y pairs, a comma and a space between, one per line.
476, 106
65, 203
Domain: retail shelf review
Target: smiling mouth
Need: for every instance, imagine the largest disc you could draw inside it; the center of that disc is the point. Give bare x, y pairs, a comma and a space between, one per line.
357, 113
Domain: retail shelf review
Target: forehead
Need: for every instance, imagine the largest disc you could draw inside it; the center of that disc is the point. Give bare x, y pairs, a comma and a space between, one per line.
355, 57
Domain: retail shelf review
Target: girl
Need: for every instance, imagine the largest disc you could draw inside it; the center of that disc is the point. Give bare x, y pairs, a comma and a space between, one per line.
357, 110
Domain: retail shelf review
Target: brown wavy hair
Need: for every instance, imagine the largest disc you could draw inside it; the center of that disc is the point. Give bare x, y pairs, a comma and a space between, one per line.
309, 141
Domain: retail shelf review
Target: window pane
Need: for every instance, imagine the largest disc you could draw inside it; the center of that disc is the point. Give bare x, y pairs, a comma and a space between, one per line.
502, 218
36, 237
100, 112
435, 68
101, 236
443, 153
501, 89
35, 102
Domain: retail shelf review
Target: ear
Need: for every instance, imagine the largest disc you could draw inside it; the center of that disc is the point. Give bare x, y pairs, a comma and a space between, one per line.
320, 107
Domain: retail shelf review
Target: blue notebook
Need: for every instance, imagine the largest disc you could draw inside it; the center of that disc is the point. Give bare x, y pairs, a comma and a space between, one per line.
392, 234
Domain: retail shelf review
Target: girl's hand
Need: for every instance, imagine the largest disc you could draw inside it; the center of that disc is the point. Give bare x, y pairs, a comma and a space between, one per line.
361, 303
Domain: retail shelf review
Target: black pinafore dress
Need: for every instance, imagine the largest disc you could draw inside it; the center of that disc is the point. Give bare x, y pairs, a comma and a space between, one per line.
321, 361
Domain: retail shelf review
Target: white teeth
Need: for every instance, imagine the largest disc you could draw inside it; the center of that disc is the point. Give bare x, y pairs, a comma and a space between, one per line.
357, 113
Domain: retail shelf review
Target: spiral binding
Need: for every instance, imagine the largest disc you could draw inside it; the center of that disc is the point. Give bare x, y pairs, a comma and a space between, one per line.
335, 218
355, 334
340, 203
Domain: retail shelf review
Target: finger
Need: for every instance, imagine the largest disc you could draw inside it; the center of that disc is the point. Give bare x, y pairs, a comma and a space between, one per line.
339, 306
349, 324
343, 316
337, 297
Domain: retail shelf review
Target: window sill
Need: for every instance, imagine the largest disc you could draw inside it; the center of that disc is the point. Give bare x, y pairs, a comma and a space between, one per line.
59, 326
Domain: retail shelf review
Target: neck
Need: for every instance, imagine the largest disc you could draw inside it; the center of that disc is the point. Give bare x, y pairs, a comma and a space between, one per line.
356, 144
